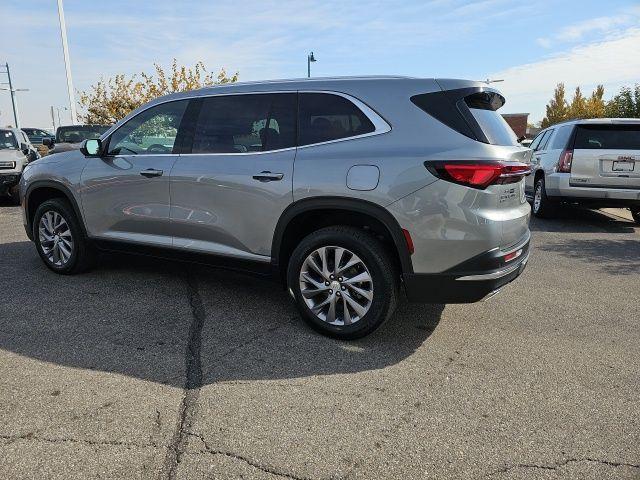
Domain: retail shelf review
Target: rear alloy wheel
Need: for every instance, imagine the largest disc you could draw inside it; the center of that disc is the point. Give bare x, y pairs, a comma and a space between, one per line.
543, 207
343, 281
59, 238
336, 285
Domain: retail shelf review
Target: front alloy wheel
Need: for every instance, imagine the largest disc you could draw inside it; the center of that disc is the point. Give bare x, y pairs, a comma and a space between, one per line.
55, 238
59, 239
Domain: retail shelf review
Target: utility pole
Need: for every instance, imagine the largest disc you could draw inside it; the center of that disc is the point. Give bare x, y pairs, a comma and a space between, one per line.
12, 91
67, 64
53, 119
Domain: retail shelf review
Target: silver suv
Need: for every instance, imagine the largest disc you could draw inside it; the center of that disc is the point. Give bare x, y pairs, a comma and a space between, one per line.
345, 188
593, 163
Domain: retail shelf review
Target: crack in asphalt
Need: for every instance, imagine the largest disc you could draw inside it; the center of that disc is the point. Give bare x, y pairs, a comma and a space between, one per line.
563, 463
193, 383
248, 461
34, 438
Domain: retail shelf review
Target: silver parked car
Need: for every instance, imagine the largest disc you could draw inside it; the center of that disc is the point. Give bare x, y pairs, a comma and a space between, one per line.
16, 152
593, 163
346, 188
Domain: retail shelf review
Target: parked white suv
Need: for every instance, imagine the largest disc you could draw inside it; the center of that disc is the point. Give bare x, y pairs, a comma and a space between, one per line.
15, 152
593, 163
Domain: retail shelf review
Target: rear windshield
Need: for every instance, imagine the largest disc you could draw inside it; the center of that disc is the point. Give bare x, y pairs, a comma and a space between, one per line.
471, 112
76, 134
483, 106
611, 137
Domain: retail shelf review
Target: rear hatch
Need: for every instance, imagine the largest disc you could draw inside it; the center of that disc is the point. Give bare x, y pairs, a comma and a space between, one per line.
471, 108
606, 155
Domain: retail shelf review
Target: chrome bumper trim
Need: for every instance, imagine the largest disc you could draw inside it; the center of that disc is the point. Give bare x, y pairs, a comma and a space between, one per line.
498, 274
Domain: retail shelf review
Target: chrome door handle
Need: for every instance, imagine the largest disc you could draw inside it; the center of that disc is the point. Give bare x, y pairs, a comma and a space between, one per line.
267, 176
151, 172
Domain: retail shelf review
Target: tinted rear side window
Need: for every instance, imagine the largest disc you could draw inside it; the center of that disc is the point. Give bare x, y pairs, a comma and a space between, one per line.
245, 123
561, 139
612, 137
324, 117
483, 107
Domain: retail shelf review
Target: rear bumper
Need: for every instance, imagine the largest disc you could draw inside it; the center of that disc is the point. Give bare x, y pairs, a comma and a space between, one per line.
466, 283
557, 187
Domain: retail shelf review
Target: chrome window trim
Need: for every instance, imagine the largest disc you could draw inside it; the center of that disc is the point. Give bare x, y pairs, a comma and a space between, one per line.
381, 126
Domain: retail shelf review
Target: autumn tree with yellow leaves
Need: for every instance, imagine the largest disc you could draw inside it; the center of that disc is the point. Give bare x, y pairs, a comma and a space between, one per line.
110, 100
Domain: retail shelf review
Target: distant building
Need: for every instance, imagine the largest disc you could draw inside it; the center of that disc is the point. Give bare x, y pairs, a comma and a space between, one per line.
517, 122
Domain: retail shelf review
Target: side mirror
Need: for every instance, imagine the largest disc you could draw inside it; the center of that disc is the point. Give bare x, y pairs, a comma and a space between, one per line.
91, 147
25, 148
47, 142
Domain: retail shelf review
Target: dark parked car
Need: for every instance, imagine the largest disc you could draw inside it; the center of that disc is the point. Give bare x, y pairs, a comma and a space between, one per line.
70, 137
37, 135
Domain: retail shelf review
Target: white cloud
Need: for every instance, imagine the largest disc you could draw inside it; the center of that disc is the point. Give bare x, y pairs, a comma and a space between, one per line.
612, 62
599, 25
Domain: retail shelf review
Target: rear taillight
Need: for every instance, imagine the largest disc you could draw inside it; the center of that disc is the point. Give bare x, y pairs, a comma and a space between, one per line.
479, 174
564, 164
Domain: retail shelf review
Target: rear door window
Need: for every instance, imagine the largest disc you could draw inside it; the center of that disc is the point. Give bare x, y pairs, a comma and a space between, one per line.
246, 123
609, 137
324, 117
545, 140
561, 139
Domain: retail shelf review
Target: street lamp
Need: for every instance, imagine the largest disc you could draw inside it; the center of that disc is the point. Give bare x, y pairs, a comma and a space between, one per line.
67, 64
310, 58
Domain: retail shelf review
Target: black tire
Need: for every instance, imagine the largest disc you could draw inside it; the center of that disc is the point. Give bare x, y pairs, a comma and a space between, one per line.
15, 195
545, 207
83, 254
377, 261
635, 213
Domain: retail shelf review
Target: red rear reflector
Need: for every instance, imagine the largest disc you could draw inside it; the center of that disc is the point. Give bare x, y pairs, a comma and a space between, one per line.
564, 164
409, 240
479, 174
512, 256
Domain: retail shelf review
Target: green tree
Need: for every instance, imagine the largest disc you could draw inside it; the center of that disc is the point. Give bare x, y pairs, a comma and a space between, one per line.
557, 108
626, 104
108, 101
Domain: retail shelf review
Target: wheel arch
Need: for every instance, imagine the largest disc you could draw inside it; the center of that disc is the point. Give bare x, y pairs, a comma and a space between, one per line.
43, 190
294, 224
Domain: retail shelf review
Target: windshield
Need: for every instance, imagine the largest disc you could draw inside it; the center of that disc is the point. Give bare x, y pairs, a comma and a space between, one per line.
79, 133
7, 140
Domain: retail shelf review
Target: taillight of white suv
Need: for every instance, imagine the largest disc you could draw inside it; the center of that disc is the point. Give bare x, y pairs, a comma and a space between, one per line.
564, 164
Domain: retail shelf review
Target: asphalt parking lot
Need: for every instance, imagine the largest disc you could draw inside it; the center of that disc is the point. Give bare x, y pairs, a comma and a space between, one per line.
151, 369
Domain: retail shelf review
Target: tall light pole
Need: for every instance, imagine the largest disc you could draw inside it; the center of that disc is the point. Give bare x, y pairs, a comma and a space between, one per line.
67, 64
310, 58
12, 91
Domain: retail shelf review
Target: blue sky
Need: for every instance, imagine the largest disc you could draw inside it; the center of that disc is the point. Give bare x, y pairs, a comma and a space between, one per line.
530, 44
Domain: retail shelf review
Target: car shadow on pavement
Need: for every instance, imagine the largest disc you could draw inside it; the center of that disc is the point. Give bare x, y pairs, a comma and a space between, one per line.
134, 316
579, 220
616, 257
